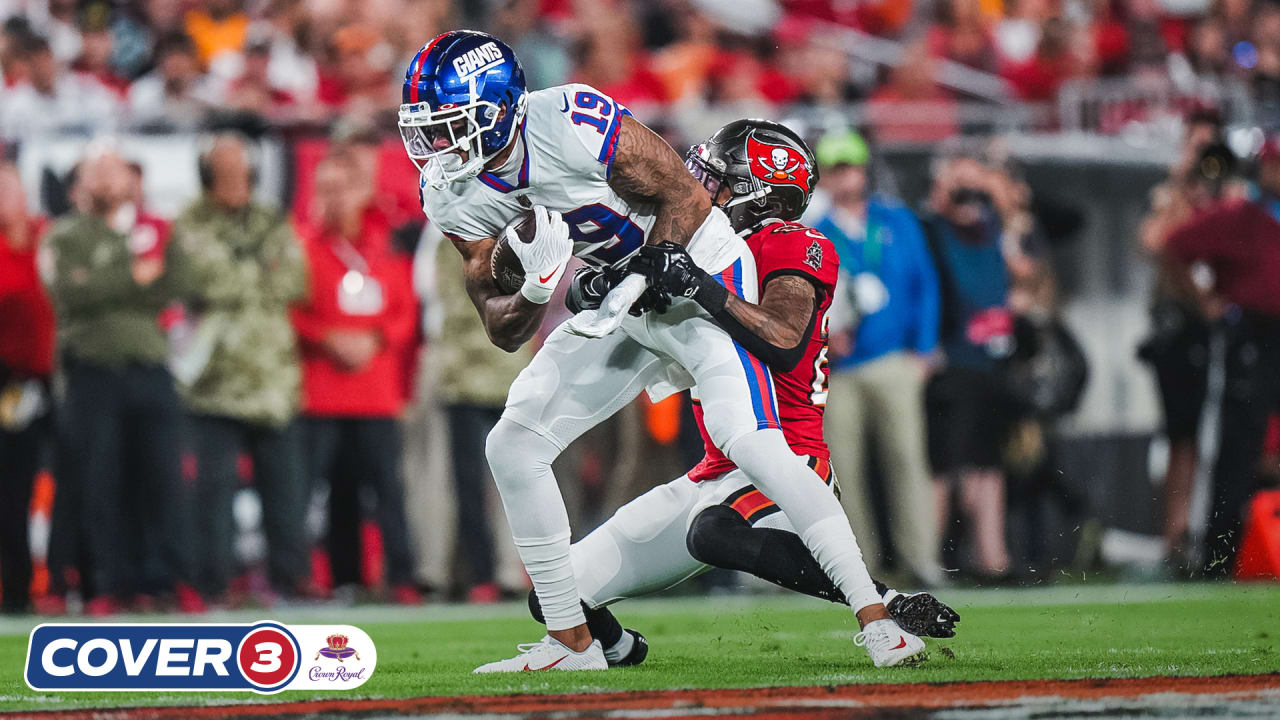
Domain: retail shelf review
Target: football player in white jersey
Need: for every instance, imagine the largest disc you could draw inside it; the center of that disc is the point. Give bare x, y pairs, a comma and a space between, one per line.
601, 184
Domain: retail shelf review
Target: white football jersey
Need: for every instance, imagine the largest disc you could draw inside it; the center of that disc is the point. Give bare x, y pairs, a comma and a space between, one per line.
570, 134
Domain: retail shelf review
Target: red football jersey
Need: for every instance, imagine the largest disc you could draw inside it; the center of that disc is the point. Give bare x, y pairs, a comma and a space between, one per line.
782, 248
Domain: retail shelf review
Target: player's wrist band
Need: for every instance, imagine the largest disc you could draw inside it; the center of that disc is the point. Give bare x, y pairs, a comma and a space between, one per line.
536, 292
711, 295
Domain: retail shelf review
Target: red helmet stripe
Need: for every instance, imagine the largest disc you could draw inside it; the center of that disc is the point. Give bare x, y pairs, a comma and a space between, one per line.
422, 60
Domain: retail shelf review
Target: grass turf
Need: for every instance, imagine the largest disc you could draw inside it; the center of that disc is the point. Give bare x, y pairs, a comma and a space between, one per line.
1061, 632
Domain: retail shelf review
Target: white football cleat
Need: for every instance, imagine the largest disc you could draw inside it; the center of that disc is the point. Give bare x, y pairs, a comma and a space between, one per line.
889, 645
549, 654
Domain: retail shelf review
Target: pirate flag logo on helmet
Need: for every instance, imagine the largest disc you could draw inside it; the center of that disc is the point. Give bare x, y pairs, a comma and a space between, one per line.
777, 164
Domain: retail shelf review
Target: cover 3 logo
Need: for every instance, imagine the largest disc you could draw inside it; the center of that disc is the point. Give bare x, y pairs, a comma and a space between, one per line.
264, 657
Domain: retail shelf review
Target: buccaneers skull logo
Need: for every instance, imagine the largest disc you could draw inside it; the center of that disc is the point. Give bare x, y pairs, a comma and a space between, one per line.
777, 164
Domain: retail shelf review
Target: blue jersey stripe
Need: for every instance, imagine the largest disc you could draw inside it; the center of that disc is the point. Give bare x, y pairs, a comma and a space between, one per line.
503, 186
761, 398
611, 140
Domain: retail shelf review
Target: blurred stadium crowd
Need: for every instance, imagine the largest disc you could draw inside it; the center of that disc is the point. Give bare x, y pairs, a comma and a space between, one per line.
235, 369
174, 64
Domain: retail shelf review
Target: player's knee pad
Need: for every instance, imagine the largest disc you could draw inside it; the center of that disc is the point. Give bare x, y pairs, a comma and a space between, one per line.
516, 453
758, 448
710, 535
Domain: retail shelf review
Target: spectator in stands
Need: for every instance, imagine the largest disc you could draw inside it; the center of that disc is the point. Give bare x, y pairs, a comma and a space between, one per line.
58, 25
291, 67
252, 91
243, 267
54, 100
968, 414
913, 107
109, 277
363, 143
685, 65
134, 28
1239, 241
613, 64
1206, 57
354, 329
26, 363
359, 80
962, 34
1054, 62
96, 50
546, 63
217, 27
879, 366
816, 71
1017, 34
14, 67
174, 96
472, 379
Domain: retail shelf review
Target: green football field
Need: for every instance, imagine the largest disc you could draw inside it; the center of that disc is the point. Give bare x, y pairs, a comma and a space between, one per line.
1063, 632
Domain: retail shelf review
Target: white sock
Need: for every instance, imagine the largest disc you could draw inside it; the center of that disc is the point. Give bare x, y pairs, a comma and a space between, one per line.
520, 460
620, 649
832, 543
812, 508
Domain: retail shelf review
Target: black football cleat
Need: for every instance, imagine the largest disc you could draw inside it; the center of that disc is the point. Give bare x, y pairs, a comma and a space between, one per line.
639, 651
924, 615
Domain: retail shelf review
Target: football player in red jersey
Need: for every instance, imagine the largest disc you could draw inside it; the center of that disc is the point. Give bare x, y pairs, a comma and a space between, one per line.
762, 174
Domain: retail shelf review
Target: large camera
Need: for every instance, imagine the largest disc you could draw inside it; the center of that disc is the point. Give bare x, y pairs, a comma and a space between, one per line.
1215, 165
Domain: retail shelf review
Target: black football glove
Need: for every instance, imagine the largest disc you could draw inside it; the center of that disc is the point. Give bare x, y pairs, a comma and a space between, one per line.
924, 615
669, 270
654, 299
587, 289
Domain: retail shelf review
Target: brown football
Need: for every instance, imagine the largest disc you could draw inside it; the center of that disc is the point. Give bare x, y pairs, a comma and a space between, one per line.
508, 273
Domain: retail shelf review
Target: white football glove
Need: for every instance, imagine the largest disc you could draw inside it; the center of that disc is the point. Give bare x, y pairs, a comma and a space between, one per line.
545, 258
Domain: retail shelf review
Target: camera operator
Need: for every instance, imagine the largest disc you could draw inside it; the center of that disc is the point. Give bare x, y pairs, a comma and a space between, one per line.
1239, 242
967, 406
1178, 347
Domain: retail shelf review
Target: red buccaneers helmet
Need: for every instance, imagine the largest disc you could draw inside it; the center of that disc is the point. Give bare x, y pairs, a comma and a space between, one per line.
768, 170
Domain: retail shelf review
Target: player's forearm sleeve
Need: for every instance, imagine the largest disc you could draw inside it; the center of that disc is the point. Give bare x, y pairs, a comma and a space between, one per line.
778, 359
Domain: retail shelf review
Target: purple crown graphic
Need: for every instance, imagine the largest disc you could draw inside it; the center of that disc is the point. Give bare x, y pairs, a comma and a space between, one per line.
337, 648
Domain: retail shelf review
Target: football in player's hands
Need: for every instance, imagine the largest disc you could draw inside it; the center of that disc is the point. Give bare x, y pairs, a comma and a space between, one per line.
504, 264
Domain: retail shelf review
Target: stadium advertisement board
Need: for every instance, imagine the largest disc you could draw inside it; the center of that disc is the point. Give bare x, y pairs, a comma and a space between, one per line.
264, 657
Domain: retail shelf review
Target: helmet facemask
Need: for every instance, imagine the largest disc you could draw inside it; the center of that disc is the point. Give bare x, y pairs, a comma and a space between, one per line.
741, 189
438, 140
748, 197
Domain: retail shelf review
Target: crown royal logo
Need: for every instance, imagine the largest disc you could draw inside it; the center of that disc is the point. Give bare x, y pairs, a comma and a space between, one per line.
337, 648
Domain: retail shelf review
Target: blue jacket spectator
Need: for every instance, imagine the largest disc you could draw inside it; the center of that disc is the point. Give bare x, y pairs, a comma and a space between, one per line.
893, 279
876, 389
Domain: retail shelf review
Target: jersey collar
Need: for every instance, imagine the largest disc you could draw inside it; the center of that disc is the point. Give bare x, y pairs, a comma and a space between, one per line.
503, 186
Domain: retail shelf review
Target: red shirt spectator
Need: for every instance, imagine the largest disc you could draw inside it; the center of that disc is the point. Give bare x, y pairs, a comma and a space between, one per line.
357, 285
1039, 78
26, 316
1240, 242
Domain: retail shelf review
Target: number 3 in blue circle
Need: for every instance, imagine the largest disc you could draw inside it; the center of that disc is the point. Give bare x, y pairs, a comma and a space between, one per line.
620, 236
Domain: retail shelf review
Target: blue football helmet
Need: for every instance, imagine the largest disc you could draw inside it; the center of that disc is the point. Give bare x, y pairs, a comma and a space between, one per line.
464, 99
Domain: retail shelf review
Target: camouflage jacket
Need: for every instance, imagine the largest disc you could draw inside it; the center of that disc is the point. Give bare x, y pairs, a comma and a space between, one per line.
104, 316
469, 368
240, 271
